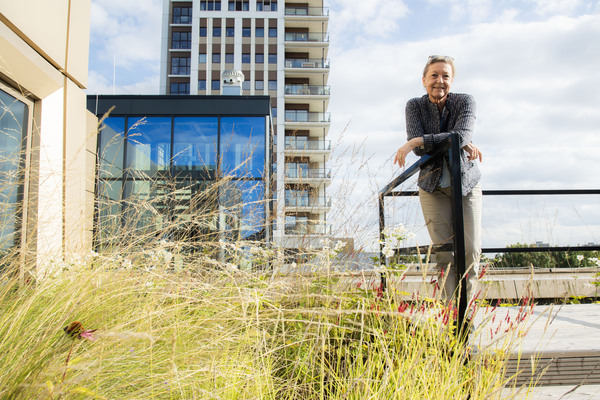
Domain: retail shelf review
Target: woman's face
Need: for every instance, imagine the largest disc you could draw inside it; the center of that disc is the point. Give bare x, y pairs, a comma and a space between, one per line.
437, 81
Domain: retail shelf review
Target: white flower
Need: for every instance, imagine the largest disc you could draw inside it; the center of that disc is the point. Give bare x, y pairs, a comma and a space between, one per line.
388, 251
579, 257
339, 245
94, 254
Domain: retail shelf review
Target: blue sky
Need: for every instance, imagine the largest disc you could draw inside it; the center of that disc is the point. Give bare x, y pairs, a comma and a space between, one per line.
532, 65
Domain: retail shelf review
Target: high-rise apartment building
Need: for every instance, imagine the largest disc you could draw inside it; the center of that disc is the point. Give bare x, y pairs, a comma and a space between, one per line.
281, 48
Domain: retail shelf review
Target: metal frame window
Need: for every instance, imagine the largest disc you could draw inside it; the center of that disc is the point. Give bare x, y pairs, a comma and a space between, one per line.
182, 15
16, 118
239, 5
180, 65
180, 88
181, 40
210, 5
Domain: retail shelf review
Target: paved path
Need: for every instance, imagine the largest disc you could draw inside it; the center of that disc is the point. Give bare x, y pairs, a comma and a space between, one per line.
552, 329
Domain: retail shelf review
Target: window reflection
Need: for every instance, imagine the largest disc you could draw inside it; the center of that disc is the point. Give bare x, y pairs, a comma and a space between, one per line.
13, 133
195, 144
170, 190
149, 144
243, 146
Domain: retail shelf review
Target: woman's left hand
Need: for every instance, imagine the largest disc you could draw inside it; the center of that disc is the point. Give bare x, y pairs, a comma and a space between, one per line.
473, 151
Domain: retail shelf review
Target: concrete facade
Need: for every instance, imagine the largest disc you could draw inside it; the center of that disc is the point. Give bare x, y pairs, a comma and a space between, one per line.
44, 63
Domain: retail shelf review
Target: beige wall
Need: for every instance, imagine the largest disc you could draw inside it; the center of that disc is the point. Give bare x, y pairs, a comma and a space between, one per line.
58, 29
44, 56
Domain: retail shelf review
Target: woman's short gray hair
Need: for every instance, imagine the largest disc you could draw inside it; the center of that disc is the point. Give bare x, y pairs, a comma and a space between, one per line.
437, 58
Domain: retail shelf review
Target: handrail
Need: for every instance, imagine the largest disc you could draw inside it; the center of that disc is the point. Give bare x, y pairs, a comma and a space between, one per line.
452, 146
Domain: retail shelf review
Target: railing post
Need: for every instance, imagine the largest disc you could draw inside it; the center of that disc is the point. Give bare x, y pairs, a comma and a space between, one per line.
459, 233
381, 241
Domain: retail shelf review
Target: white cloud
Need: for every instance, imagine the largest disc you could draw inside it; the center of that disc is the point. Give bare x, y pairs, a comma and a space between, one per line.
359, 19
537, 104
556, 7
127, 30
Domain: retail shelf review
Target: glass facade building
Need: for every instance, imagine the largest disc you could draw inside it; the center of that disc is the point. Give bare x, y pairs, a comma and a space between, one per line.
170, 153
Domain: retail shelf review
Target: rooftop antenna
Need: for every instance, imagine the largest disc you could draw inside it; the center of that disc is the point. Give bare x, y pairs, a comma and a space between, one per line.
114, 71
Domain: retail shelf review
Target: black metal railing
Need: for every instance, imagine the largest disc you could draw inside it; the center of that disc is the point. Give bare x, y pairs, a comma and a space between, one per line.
452, 148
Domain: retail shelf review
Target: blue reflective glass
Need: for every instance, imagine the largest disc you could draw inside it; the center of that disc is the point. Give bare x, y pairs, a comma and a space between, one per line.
109, 210
243, 146
195, 143
13, 133
146, 207
112, 143
243, 205
148, 144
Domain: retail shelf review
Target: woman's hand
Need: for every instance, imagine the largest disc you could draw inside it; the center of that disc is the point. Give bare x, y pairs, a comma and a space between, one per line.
400, 157
473, 151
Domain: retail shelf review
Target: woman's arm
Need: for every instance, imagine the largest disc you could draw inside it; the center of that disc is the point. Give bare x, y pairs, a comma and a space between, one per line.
464, 109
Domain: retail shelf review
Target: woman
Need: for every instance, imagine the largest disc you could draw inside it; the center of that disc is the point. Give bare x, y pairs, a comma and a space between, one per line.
429, 122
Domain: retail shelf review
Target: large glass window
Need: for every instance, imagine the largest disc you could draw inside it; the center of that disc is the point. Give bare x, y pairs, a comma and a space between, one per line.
215, 84
246, 58
216, 58
272, 58
180, 66
162, 185
229, 58
230, 32
182, 15
210, 5
202, 85
246, 32
243, 146
244, 206
202, 58
180, 88
216, 32
260, 32
148, 145
203, 31
259, 58
14, 116
181, 40
111, 148
195, 143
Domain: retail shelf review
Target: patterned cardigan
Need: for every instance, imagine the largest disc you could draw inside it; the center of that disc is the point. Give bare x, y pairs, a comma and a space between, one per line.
423, 119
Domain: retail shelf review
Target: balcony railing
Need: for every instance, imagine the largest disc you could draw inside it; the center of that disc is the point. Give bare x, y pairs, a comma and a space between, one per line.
299, 144
306, 63
306, 37
308, 229
311, 11
307, 90
304, 200
298, 172
306, 116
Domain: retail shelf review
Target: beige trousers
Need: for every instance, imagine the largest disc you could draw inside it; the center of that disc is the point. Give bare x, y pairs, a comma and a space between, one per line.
437, 210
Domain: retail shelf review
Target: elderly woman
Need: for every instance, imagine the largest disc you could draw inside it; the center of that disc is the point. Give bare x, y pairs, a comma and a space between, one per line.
430, 120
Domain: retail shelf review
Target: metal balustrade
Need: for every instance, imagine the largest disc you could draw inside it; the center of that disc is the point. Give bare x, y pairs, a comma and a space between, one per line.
307, 11
306, 63
452, 148
307, 90
302, 144
306, 116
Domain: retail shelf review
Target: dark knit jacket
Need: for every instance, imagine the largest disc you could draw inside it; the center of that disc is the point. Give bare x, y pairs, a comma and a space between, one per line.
423, 120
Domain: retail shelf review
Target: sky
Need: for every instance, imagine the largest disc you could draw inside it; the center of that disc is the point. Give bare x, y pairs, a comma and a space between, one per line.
533, 67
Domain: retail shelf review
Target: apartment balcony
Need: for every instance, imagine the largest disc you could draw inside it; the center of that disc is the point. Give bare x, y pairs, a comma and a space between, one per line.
295, 173
307, 64
307, 116
307, 38
301, 146
307, 11
306, 90
306, 229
